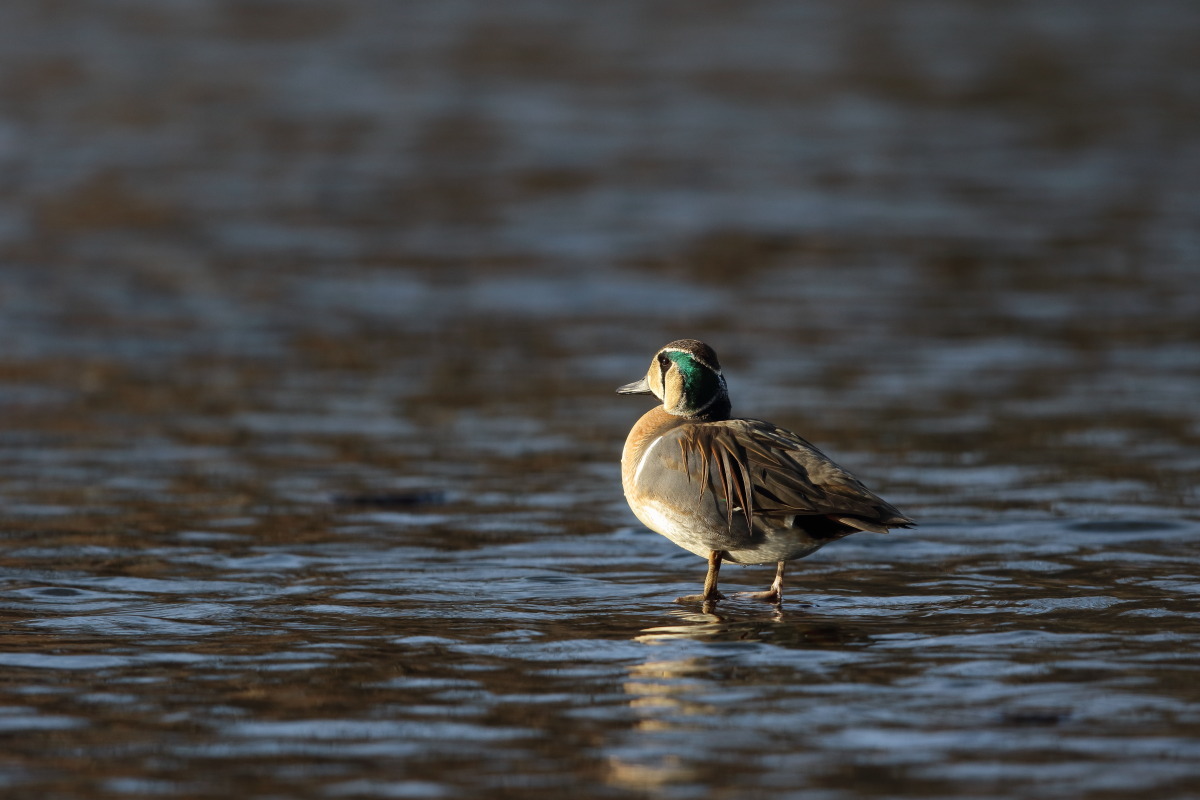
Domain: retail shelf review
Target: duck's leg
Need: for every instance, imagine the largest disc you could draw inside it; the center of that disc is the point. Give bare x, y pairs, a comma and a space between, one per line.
710, 581
772, 595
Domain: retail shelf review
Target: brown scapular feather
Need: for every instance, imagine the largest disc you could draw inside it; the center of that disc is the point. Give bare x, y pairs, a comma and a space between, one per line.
766, 470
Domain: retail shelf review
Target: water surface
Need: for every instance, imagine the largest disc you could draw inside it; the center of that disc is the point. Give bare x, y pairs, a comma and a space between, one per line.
312, 318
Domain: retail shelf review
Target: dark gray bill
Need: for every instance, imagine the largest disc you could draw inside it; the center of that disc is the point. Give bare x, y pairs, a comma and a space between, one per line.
637, 387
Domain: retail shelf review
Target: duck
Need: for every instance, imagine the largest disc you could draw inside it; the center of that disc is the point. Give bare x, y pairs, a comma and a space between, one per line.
734, 489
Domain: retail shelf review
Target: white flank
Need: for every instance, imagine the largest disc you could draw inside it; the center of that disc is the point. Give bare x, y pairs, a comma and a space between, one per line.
642, 464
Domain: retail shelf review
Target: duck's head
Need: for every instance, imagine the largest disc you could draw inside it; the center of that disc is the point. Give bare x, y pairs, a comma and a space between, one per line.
687, 377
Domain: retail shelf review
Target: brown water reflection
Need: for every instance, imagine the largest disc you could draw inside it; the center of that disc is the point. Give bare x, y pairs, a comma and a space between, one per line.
310, 321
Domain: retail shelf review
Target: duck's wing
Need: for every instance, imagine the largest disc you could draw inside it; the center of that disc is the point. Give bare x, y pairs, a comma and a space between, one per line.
757, 468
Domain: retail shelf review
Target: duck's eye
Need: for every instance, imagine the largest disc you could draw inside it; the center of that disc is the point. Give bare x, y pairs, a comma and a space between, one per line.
664, 365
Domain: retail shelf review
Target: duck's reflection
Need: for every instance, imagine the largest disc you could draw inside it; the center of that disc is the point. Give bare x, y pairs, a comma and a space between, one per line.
675, 698
773, 627
668, 698
657, 686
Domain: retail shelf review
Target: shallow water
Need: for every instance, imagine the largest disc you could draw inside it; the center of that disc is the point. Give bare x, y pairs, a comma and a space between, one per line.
311, 321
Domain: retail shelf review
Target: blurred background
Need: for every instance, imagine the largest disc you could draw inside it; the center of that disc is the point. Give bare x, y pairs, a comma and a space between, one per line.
288, 286
965, 229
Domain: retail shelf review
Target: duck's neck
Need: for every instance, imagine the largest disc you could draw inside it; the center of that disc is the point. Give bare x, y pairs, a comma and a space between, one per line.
715, 411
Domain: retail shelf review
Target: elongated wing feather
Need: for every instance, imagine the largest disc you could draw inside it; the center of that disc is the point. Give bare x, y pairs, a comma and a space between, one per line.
755, 467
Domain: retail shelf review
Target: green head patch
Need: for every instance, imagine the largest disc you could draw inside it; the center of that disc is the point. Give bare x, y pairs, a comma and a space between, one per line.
701, 385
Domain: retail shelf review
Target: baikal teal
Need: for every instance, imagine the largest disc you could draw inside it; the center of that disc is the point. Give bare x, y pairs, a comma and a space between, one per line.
730, 489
